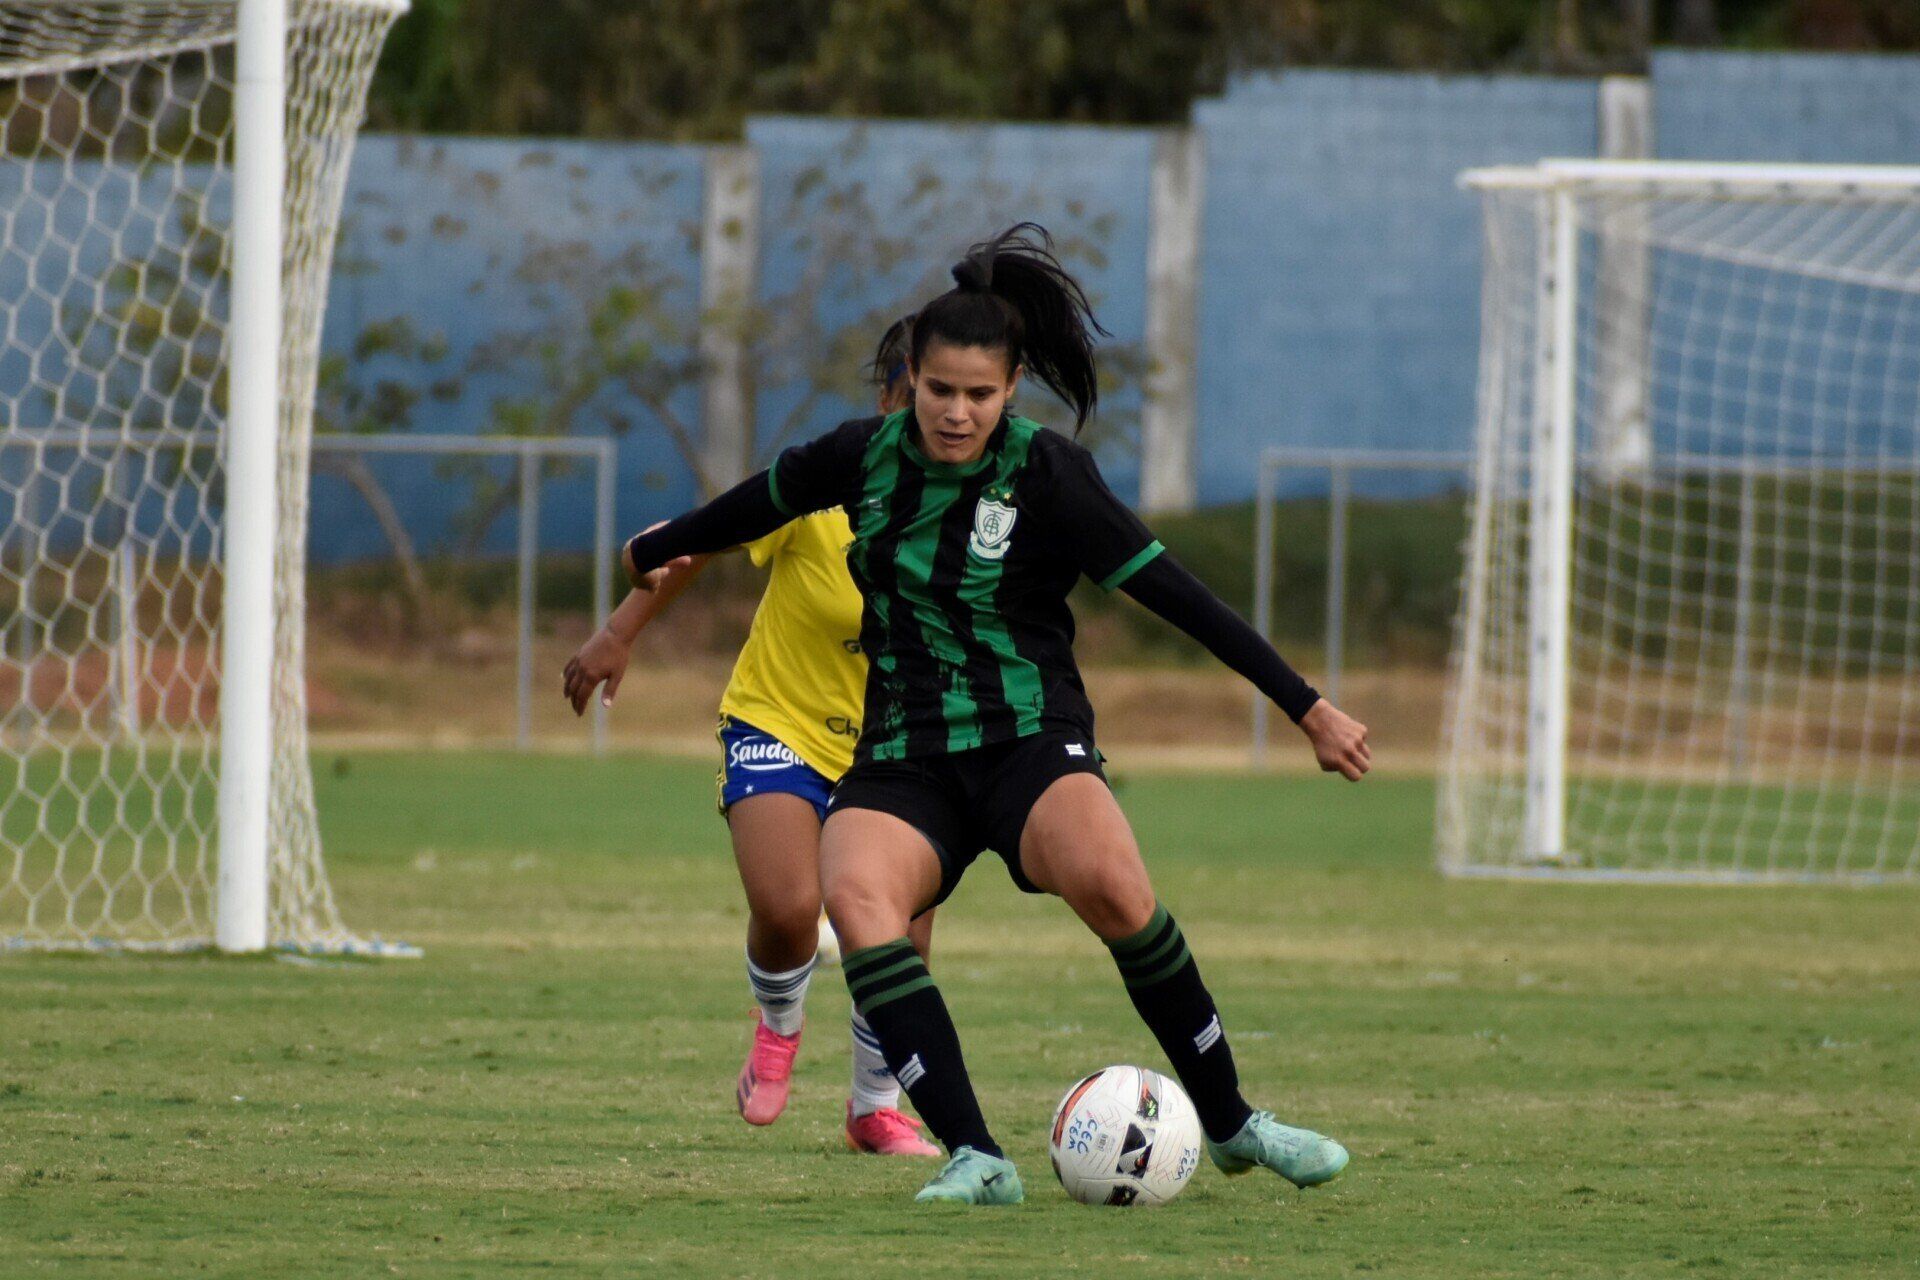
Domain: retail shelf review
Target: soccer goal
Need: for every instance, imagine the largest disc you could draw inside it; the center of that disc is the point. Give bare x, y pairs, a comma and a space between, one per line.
170, 182
1689, 639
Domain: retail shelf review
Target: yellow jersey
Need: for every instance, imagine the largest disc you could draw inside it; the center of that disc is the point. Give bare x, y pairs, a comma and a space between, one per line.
801, 676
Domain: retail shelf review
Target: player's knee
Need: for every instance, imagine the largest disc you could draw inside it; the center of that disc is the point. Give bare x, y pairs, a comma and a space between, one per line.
795, 922
862, 912
1114, 902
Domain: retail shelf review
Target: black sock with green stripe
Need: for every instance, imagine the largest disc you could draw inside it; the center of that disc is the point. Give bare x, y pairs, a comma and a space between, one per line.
895, 994
1165, 986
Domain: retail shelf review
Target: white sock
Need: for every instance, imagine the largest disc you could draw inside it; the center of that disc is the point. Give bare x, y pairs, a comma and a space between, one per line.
782, 996
873, 1084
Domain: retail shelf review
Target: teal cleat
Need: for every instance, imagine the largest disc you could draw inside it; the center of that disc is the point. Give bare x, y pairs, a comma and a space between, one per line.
1301, 1156
973, 1177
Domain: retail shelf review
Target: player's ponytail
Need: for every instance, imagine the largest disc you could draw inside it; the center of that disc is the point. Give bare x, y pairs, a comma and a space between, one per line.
1011, 293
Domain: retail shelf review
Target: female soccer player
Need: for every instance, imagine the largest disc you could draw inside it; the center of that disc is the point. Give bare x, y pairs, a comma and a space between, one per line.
788, 719
970, 526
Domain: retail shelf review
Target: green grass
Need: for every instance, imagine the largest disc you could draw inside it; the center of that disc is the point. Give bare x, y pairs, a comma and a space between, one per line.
1534, 1080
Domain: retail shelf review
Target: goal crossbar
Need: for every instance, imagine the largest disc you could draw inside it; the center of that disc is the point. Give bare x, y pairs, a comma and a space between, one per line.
1733, 179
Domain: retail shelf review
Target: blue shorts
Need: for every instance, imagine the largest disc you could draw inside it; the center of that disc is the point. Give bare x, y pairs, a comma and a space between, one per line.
754, 763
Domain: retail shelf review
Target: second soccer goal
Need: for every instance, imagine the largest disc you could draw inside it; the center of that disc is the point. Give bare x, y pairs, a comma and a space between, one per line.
1689, 641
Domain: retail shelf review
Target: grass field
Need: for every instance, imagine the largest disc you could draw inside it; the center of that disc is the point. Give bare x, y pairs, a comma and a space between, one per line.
1534, 1080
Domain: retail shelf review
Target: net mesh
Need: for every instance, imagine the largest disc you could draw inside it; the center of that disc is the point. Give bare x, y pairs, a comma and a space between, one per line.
1743, 635
116, 203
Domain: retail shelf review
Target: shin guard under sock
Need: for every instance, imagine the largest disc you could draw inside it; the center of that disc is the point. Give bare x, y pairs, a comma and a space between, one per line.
1164, 984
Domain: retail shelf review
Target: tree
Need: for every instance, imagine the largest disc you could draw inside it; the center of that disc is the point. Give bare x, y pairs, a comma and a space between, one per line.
697, 68
607, 348
355, 406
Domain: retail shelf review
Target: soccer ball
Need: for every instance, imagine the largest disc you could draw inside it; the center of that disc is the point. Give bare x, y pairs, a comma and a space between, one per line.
1125, 1135
828, 950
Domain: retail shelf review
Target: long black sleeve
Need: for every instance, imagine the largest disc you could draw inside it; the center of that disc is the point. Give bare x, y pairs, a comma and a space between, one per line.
1166, 587
823, 472
741, 514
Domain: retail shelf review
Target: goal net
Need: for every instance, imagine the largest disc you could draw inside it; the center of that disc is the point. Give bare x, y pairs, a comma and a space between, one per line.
1689, 639
117, 212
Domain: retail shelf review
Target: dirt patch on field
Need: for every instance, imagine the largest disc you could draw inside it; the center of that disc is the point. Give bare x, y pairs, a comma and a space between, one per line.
1160, 707
466, 696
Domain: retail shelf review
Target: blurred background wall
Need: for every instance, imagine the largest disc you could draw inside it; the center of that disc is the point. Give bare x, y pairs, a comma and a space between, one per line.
526, 286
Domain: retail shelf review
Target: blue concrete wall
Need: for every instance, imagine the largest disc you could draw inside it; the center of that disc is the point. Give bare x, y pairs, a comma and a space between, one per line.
860, 221
1341, 273
1339, 295
1341, 262
1815, 108
474, 242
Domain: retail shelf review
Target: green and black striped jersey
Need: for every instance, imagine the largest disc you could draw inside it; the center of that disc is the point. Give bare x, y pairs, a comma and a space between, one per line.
965, 571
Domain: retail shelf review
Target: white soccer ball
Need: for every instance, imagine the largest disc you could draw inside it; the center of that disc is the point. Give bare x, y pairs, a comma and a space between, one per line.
1125, 1135
828, 950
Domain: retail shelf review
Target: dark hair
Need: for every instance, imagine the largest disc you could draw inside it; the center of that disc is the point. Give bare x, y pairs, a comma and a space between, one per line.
890, 357
1012, 294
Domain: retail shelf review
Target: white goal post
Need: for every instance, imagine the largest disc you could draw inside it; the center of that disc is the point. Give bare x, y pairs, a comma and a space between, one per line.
1689, 640
171, 174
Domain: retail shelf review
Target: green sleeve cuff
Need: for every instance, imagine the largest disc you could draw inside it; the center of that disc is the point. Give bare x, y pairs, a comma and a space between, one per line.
773, 491
1128, 569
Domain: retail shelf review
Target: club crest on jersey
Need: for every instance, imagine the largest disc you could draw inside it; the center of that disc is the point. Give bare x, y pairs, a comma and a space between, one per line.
992, 527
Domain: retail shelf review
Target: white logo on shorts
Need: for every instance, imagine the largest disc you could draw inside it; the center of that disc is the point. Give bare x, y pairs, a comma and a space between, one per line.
1075, 749
765, 756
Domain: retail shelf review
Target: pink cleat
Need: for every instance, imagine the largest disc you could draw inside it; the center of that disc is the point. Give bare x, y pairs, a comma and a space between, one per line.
762, 1092
886, 1133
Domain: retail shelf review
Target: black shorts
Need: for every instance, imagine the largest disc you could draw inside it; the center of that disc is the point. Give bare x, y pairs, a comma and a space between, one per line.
970, 801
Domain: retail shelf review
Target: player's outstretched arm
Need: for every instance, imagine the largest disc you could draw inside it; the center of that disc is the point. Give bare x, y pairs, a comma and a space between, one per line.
603, 658
1166, 587
743, 513
806, 477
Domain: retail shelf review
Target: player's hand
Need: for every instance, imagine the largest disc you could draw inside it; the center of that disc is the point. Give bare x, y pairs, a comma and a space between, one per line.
1339, 741
603, 658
